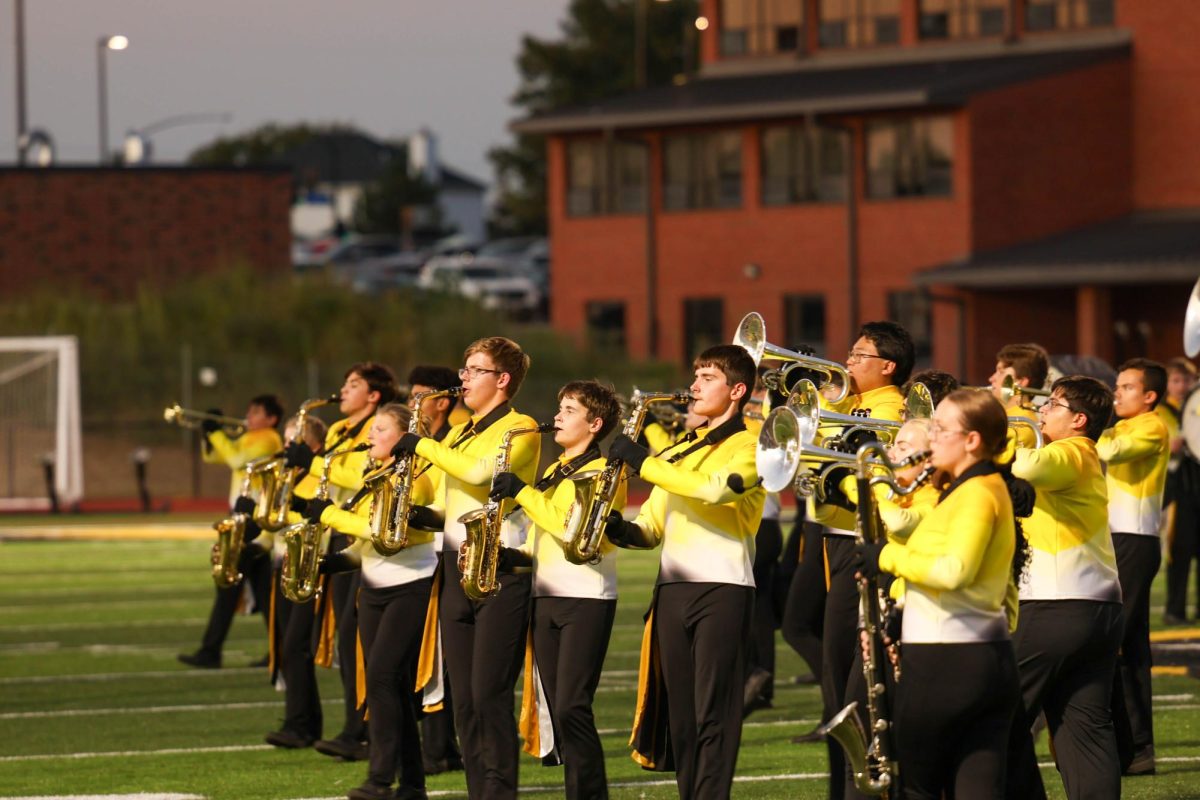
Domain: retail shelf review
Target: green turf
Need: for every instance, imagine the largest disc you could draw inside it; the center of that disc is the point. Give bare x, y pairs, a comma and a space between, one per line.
94, 627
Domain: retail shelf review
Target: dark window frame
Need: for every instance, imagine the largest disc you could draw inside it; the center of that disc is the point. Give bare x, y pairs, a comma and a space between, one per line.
805, 173
915, 171
699, 191
804, 322
611, 194
935, 25
703, 325
604, 334
1042, 15
846, 32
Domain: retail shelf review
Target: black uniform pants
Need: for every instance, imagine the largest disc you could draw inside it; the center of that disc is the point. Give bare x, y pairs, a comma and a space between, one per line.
301, 698
1185, 548
484, 644
804, 608
1066, 654
255, 567
954, 711
700, 627
390, 621
760, 644
1138, 559
570, 640
839, 642
343, 590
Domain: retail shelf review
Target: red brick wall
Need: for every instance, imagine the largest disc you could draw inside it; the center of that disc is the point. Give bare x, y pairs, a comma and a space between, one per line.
1051, 155
111, 229
1166, 100
999, 318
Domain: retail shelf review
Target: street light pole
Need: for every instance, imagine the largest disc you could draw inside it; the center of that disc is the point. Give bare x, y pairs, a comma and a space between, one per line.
19, 30
103, 45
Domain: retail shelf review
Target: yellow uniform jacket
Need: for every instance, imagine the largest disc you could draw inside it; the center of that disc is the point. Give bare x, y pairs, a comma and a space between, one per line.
1137, 451
346, 472
237, 453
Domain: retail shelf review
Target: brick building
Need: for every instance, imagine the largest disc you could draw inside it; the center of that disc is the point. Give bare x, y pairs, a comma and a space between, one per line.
982, 171
109, 229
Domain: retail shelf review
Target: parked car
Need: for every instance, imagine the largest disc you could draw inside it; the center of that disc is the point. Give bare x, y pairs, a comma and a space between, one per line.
390, 272
496, 287
350, 251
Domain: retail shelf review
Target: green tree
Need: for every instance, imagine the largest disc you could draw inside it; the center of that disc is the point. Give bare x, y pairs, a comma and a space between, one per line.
592, 60
265, 144
399, 203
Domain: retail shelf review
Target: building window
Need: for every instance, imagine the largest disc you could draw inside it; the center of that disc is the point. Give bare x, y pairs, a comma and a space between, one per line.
702, 323
910, 157
760, 27
1049, 15
859, 23
606, 325
804, 322
702, 170
605, 177
963, 19
802, 164
912, 310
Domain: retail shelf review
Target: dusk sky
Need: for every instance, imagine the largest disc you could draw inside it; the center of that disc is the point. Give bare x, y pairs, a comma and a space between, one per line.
388, 66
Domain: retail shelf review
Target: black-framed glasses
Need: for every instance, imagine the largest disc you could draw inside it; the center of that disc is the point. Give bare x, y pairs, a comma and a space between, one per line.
854, 356
1058, 404
475, 372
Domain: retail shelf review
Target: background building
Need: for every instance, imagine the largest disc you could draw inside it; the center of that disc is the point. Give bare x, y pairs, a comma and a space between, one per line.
982, 171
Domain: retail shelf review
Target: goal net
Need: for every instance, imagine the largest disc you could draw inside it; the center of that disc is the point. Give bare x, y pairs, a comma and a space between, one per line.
40, 430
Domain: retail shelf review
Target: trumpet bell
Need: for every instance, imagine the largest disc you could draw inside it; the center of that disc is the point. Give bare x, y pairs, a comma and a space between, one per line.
752, 335
919, 403
1191, 324
780, 443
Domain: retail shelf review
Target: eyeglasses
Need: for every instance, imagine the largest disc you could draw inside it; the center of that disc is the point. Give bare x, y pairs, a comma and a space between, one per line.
1059, 403
855, 356
936, 430
475, 372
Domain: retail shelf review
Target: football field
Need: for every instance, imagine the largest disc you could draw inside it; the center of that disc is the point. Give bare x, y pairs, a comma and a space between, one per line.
93, 701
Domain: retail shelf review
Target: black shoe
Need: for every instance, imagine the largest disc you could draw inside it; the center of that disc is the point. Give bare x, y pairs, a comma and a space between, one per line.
807, 679
371, 791
403, 793
454, 764
1171, 619
288, 739
342, 748
807, 738
199, 659
752, 692
1143, 763
265, 661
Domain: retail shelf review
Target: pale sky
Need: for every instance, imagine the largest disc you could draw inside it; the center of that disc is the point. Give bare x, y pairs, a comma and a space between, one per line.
387, 66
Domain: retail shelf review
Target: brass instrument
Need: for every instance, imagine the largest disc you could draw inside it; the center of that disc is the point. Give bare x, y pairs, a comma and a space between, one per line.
186, 418
752, 335
278, 481
479, 555
231, 538
871, 760
391, 488
1018, 422
595, 495
299, 576
1191, 323
1010, 389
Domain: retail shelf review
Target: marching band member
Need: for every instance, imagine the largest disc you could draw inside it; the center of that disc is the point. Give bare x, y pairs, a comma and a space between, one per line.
482, 639
260, 440
1027, 365
1182, 529
1069, 626
954, 708
365, 387
573, 604
1136, 451
391, 615
704, 510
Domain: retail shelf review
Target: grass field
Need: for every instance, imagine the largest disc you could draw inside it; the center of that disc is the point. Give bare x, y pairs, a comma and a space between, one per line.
92, 700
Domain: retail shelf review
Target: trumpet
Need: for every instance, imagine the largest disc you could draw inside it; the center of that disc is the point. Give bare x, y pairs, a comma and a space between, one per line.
1016, 422
752, 335
186, 418
1010, 389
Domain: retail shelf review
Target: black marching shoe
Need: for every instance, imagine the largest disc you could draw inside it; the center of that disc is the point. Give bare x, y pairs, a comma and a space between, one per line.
1143, 762
371, 791
199, 659
288, 739
452, 764
343, 749
265, 661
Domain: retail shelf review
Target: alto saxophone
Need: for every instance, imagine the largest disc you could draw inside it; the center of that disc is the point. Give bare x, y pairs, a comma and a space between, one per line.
871, 761
391, 488
299, 576
275, 502
231, 531
479, 554
596, 493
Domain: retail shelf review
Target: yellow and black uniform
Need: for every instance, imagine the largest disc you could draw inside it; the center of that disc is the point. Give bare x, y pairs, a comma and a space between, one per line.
391, 615
483, 686
1136, 451
1069, 625
955, 706
1182, 528
839, 630
571, 620
236, 453
705, 590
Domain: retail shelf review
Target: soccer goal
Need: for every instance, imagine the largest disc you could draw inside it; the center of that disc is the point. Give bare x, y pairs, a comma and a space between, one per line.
40, 429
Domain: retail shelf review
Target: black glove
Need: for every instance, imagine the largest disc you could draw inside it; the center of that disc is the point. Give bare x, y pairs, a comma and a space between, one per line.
892, 622
505, 485
623, 533
315, 508
244, 505
513, 560
211, 425
407, 446
426, 518
629, 451
299, 455
834, 495
866, 558
251, 532
298, 503
338, 562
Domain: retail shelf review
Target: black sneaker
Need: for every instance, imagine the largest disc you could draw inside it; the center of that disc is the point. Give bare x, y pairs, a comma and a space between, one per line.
371, 791
812, 736
288, 739
1143, 763
454, 764
342, 748
199, 659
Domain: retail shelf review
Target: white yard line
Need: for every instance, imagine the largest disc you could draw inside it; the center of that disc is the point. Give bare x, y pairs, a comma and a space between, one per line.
92, 626
104, 677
